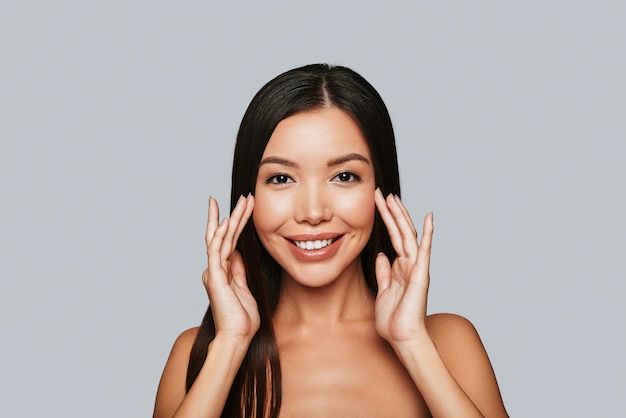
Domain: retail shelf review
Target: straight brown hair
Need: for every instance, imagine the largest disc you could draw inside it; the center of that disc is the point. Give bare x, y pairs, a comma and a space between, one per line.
256, 390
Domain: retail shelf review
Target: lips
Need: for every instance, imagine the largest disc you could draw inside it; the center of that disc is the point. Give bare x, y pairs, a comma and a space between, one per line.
315, 247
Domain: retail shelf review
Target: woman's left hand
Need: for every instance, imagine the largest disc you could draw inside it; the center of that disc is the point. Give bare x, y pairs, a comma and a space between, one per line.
402, 287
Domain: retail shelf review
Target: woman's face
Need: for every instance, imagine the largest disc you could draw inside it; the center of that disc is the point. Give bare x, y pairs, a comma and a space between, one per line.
314, 199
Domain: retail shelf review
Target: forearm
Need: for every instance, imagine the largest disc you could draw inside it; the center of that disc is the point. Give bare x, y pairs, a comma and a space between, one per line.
443, 395
209, 392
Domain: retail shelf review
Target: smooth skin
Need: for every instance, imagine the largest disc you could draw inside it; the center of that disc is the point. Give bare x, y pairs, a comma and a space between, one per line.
343, 351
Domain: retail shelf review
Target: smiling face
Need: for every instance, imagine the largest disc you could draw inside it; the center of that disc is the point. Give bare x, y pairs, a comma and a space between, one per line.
314, 198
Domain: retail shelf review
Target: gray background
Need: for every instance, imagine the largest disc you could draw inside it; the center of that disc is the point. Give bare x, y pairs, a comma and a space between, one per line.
118, 120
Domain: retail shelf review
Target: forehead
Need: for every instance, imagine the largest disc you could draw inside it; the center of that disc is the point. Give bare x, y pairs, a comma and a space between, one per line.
320, 133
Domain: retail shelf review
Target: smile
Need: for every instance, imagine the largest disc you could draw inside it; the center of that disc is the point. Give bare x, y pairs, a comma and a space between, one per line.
313, 245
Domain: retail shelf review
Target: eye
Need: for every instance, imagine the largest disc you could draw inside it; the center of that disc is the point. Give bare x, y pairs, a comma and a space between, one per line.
279, 179
347, 177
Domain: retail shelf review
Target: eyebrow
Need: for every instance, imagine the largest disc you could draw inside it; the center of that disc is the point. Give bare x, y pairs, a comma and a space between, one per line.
348, 157
332, 163
277, 160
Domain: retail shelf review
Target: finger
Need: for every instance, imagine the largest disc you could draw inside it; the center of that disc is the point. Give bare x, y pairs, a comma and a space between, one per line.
429, 229
423, 259
400, 228
406, 215
214, 250
405, 226
245, 217
238, 270
205, 277
212, 221
390, 223
228, 244
383, 272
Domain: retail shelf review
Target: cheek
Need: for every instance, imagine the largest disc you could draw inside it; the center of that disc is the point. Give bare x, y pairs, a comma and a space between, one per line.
267, 213
260, 216
359, 207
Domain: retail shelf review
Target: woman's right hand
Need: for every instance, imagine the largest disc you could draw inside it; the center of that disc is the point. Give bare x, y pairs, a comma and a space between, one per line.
235, 310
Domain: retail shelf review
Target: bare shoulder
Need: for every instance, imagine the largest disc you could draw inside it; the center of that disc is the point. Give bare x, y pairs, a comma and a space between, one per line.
172, 385
450, 328
185, 339
463, 353
179, 356
457, 341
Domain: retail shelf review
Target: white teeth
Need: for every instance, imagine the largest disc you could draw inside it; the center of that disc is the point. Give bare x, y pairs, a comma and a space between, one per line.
313, 245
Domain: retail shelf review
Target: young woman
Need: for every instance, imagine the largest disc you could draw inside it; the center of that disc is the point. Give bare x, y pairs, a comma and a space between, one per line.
317, 281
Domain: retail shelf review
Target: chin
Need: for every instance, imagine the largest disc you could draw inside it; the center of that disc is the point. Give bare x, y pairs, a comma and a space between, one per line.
322, 275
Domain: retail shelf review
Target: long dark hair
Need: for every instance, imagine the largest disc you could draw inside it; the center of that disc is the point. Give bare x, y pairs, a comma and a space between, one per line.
256, 390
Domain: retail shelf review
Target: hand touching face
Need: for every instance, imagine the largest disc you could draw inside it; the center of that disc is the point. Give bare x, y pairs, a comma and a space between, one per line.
402, 286
234, 308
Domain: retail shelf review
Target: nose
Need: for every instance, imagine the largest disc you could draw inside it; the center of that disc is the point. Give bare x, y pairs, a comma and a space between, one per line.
312, 204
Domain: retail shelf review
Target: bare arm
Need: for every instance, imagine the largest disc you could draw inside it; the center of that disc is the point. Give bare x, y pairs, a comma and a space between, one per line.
461, 350
236, 321
452, 369
208, 394
442, 353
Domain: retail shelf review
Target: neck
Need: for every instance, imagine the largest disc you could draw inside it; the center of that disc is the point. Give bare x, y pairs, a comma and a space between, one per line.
347, 298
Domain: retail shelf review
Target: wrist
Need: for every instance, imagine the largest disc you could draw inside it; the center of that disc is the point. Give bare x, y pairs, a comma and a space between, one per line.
235, 344
410, 346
